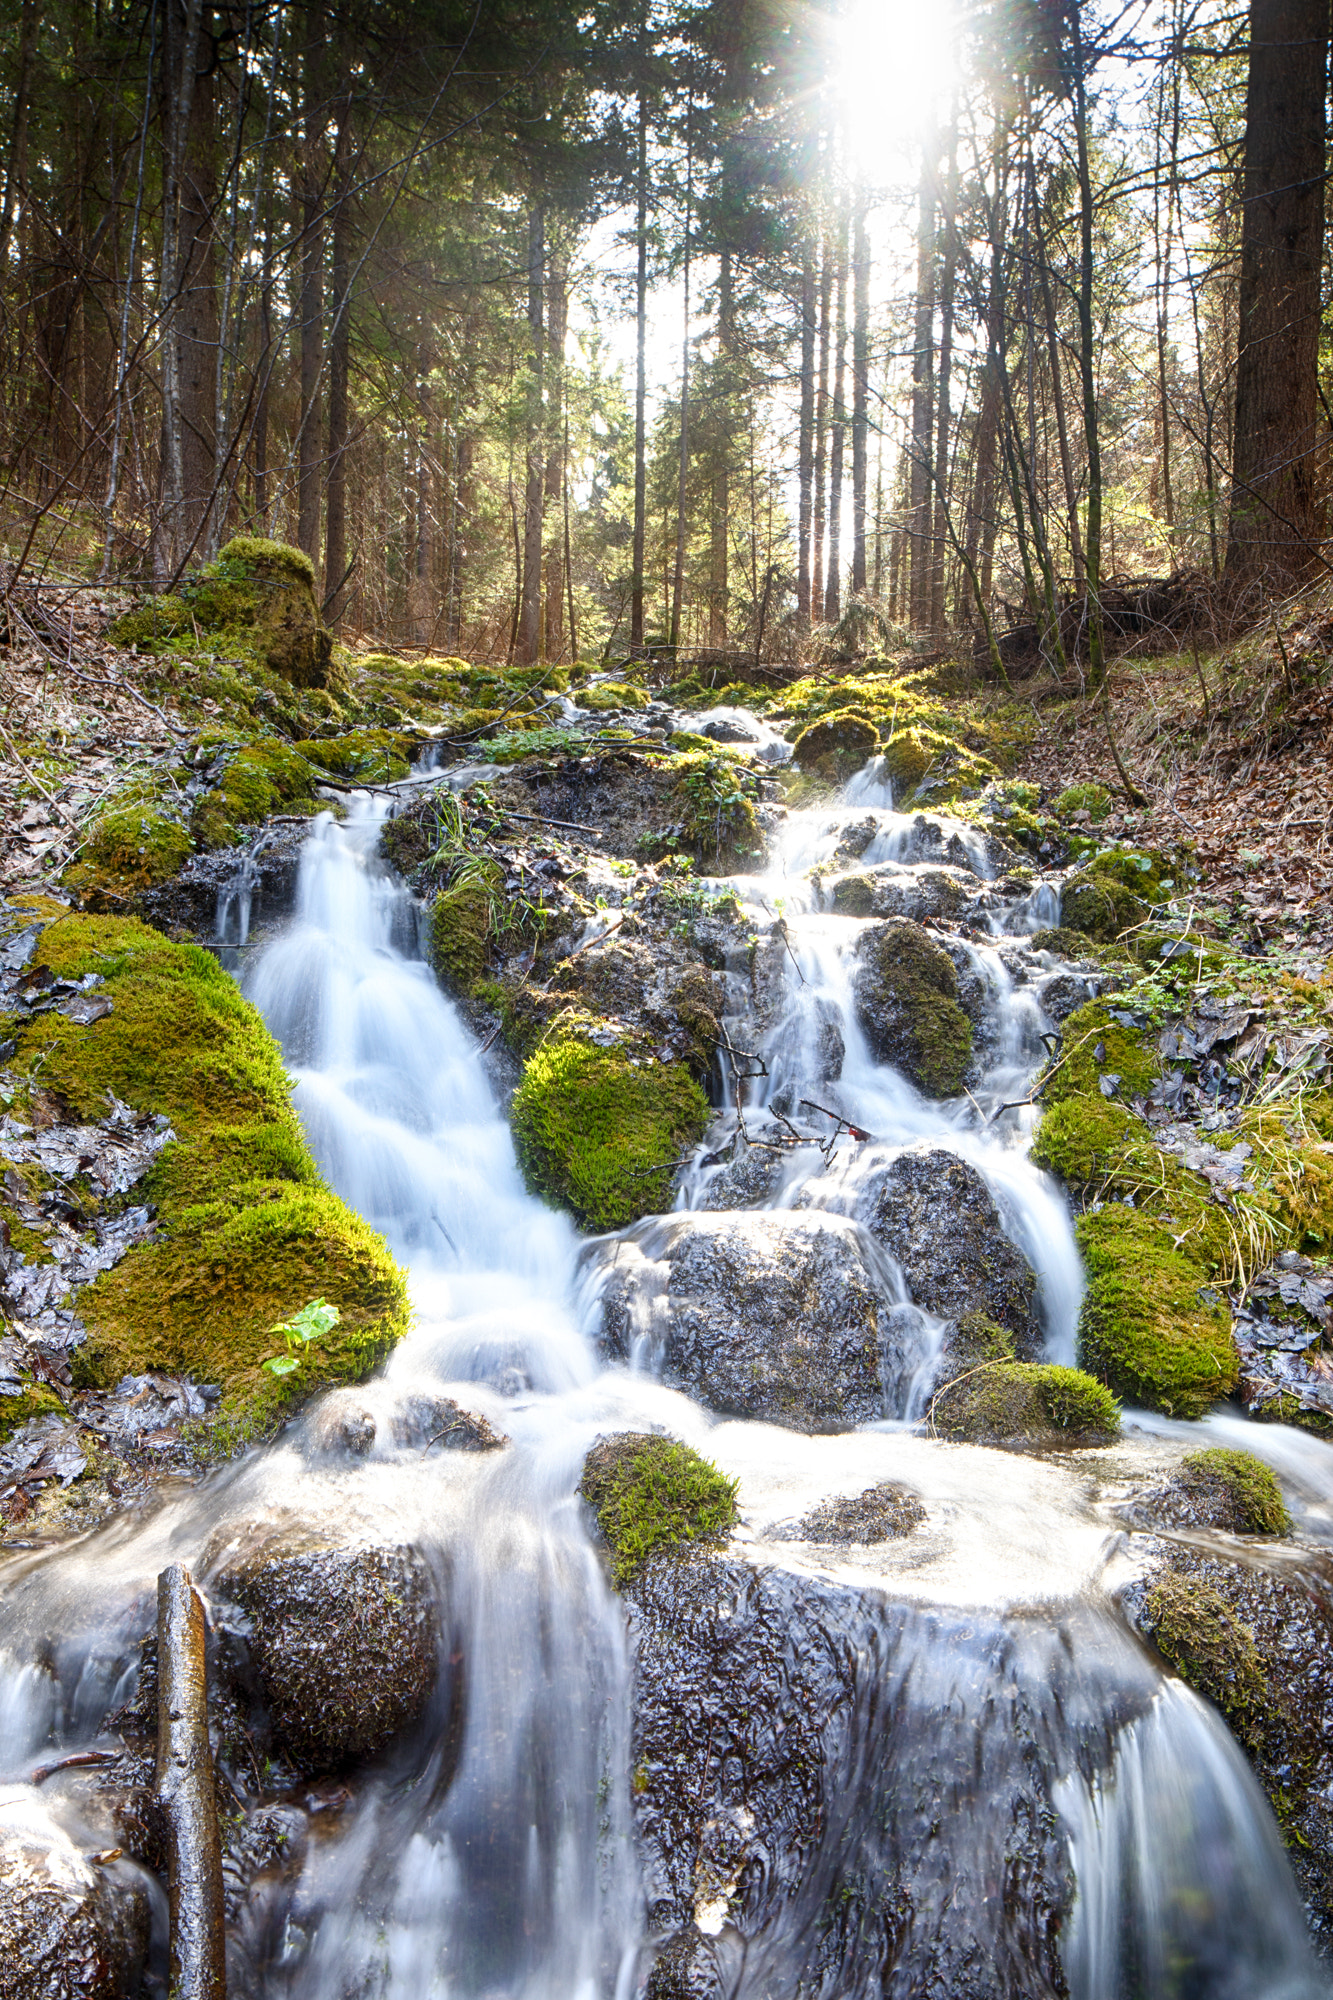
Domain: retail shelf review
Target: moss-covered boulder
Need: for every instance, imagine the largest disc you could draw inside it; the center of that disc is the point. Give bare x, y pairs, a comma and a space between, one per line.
907, 1002
1102, 1065
366, 756
1148, 1327
604, 697
836, 746
463, 923
599, 1129
907, 758
250, 783
247, 1232
1025, 1402
651, 1494
1218, 1488
132, 845
260, 595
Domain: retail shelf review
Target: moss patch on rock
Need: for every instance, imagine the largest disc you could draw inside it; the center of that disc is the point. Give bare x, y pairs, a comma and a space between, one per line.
258, 595
598, 1129
462, 926
1025, 1402
835, 747
651, 1494
33, 1400
133, 845
248, 1233
906, 997
1254, 1499
1196, 1632
259, 779
1146, 1329
366, 756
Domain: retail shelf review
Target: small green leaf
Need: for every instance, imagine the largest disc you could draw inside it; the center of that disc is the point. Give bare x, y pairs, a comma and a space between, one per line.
282, 1364
308, 1324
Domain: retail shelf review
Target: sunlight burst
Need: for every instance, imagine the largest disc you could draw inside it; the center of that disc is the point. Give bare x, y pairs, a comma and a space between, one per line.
897, 63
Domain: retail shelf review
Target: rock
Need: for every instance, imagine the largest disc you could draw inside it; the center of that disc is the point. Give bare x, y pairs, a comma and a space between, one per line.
748, 1182
1151, 1326
290, 637
923, 895
835, 747
1231, 1490
69, 1924
772, 1316
907, 1001
1063, 993
881, 1512
650, 1492
340, 1423
1258, 1643
1027, 1403
761, 1702
937, 1218
722, 730
685, 1969
345, 1641
423, 1423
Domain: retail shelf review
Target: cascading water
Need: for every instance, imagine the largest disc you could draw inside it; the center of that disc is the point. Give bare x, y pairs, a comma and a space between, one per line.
492, 1852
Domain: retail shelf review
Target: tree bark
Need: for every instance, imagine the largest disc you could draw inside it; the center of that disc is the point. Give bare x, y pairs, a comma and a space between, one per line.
943, 428
312, 289
1276, 514
17, 159
821, 435
860, 392
833, 582
921, 511
340, 346
185, 1793
806, 446
557, 309
678, 576
719, 525
190, 307
528, 639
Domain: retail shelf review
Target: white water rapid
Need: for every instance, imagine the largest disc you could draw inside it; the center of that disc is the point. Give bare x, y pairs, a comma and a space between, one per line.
492, 1854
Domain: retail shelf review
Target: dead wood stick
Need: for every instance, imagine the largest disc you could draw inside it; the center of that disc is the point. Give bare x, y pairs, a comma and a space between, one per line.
79, 1760
185, 1792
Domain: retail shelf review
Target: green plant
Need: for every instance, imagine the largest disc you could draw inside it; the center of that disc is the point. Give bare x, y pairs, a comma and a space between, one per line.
311, 1323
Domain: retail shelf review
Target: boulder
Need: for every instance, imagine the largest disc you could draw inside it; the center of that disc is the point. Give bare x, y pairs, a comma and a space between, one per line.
906, 992
835, 747
344, 1640
937, 1218
922, 895
768, 1315
71, 1923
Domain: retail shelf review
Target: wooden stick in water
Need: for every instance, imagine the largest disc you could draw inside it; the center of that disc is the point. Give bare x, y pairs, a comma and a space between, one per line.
185, 1793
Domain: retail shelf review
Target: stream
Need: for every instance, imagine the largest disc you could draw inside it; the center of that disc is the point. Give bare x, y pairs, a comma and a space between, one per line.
492, 1852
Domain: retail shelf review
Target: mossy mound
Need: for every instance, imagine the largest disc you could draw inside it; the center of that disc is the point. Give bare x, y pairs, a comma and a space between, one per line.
609, 695
906, 762
1025, 1402
367, 756
1090, 798
1145, 1328
247, 1232
1083, 1133
599, 1129
1195, 1631
718, 826
651, 1494
132, 846
1115, 893
1253, 1498
906, 996
258, 595
462, 925
835, 747
260, 778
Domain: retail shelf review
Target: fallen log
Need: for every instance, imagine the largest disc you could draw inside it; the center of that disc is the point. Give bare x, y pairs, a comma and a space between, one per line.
185, 1793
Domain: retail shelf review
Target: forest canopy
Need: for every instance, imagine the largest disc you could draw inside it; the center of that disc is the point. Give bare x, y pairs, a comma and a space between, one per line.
550, 330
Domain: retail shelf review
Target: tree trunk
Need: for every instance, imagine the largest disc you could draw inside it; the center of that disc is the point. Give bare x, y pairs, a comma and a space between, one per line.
1088, 361
806, 448
340, 342
189, 278
940, 480
528, 639
557, 309
923, 398
860, 394
312, 290
719, 525
1276, 514
833, 583
640, 372
17, 159
678, 576
267, 358
821, 435
1057, 391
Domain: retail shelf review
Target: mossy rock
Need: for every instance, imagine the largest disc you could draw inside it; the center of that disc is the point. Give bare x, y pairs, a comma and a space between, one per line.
836, 746
1145, 1328
258, 593
462, 924
33, 1400
609, 695
1196, 1632
261, 778
651, 1494
598, 1129
855, 895
906, 997
1100, 907
132, 846
1253, 1503
1025, 1402
371, 756
247, 1231
1094, 1044
906, 761
1089, 797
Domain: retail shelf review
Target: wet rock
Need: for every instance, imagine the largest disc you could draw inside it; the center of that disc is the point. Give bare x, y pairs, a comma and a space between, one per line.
922, 895
1258, 1643
906, 991
1063, 993
877, 1515
937, 1218
772, 1316
722, 730
751, 1181
427, 1423
835, 747
341, 1425
1025, 1403
345, 1640
685, 1968
1231, 1490
71, 1923
763, 1702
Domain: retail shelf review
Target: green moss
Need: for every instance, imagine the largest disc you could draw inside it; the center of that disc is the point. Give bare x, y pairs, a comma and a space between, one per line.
598, 1131
652, 1494
854, 895
1006, 1401
131, 846
374, 756
260, 779
1144, 1329
1099, 907
151, 623
33, 1400
257, 598
247, 1232
255, 552
908, 1003
1260, 1509
1088, 798
1196, 1632
462, 924
718, 824
608, 695
835, 747
1082, 1139
1095, 1044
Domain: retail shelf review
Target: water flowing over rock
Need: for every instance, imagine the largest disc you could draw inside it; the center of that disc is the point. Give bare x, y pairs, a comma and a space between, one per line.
780, 1317
906, 997
70, 1922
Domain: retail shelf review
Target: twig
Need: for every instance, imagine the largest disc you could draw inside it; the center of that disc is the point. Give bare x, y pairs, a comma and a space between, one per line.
588, 943
76, 1761
185, 1792
32, 777
782, 930
853, 1131
544, 819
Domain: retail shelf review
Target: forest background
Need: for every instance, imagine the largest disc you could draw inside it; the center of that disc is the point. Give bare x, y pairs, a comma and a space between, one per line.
753, 327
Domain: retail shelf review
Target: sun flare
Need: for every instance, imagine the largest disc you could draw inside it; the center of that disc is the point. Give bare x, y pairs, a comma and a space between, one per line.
897, 63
